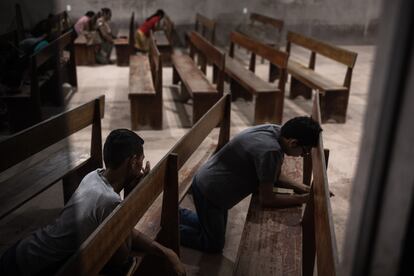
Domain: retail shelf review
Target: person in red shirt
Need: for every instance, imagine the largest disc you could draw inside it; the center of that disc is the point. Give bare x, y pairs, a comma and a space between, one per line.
142, 33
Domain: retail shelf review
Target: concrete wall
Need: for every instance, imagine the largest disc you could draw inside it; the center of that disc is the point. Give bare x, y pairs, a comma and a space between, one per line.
343, 20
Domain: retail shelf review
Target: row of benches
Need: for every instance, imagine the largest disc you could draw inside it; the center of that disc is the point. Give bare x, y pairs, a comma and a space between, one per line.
246, 84
48, 69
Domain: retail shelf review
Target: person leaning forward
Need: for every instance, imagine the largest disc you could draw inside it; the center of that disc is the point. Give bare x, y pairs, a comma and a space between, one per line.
44, 251
251, 161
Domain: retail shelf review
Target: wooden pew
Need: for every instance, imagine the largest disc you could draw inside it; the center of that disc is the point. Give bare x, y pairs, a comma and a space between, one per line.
256, 29
282, 241
64, 163
59, 24
124, 46
165, 39
142, 201
334, 95
318, 240
204, 26
85, 52
145, 88
244, 83
194, 83
49, 68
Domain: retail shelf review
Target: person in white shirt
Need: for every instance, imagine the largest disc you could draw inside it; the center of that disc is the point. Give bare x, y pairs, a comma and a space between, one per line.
44, 251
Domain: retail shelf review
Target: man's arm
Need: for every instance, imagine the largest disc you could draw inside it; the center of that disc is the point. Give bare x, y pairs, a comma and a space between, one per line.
270, 199
285, 182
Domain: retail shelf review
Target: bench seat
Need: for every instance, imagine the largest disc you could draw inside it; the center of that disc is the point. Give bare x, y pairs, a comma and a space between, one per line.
271, 242
146, 103
195, 81
311, 78
246, 84
84, 53
163, 45
140, 76
247, 78
194, 84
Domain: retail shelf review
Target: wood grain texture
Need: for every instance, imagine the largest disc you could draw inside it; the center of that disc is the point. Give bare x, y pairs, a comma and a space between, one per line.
275, 56
311, 78
140, 79
326, 250
204, 25
277, 23
343, 56
190, 75
23, 186
36, 138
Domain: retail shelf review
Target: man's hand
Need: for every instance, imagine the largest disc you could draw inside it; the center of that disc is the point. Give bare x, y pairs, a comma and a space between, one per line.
146, 170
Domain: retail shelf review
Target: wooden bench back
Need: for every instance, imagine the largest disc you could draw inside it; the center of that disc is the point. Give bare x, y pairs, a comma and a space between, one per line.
340, 55
209, 54
156, 64
273, 55
266, 20
53, 49
59, 23
105, 240
28, 142
204, 25
318, 229
131, 37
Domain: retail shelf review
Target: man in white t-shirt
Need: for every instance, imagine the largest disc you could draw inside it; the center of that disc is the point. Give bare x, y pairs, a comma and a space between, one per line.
44, 251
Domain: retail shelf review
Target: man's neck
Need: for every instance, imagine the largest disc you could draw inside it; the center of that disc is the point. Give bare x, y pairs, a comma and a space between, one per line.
114, 178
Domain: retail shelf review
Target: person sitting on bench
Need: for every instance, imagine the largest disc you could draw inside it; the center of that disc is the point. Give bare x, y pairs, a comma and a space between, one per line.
143, 31
251, 160
48, 248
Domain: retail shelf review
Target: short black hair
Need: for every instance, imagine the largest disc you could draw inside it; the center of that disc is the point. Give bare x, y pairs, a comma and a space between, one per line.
120, 145
304, 129
90, 13
106, 11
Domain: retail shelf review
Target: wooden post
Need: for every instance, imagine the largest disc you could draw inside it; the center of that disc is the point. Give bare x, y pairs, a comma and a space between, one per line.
169, 233
224, 135
308, 238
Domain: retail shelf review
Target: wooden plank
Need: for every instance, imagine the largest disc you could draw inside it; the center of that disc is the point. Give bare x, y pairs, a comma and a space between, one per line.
212, 53
206, 22
247, 78
311, 78
161, 39
191, 76
22, 187
271, 241
187, 144
277, 23
272, 54
17, 147
140, 79
343, 56
326, 250
52, 49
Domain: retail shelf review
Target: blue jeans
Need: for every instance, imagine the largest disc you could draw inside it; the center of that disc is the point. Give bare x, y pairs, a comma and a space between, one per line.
206, 229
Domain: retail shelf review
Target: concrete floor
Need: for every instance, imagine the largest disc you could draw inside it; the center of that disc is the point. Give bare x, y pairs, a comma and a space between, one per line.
343, 140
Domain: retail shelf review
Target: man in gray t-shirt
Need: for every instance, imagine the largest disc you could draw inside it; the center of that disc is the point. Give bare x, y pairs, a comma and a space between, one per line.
249, 162
44, 251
